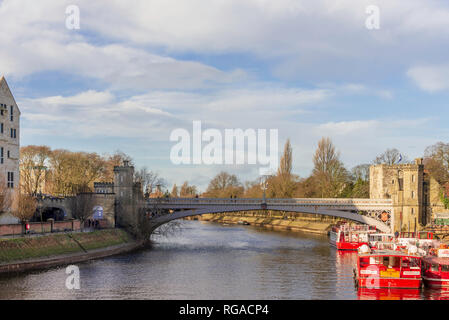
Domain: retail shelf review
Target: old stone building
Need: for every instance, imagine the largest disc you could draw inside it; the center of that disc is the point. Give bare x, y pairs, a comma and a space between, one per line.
9, 145
9, 137
415, 194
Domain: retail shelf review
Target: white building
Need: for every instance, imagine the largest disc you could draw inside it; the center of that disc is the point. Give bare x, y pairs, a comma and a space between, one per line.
9, 139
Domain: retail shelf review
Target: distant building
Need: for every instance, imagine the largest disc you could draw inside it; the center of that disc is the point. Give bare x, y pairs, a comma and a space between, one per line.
9, 144
9, 137
415, 194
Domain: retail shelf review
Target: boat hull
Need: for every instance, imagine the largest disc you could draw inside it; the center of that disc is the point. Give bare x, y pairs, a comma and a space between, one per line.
397, 283
436, 283
347, 246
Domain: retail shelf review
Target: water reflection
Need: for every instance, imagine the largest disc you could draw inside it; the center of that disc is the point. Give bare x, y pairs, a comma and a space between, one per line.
389, 294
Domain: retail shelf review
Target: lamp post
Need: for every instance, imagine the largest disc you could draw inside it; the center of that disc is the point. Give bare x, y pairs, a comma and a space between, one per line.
264, 186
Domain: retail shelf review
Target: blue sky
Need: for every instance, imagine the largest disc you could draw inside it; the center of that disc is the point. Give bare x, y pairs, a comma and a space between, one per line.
136, 70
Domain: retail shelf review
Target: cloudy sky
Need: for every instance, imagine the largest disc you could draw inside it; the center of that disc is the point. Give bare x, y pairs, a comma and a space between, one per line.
138, 69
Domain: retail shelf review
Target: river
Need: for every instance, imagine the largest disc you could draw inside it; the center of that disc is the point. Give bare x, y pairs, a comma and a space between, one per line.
212, 261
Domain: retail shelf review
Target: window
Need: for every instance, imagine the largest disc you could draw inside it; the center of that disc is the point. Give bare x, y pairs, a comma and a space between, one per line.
435, 267
1, 155
445, 268
12, 113
413, 178
413, 210
13, 133
1, 128
8, 154
413, 194
10, 179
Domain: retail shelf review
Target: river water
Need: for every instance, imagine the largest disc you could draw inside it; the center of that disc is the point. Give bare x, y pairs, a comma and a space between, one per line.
212, 261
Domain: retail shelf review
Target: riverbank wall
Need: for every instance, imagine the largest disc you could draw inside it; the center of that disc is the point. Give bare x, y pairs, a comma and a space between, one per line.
275, 221
30, 253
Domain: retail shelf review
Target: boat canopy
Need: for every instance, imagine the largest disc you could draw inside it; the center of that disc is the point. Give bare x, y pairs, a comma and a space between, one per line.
436, 260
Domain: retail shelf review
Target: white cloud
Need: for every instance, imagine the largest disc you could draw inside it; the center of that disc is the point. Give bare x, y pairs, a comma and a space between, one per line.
430, 78
121, 42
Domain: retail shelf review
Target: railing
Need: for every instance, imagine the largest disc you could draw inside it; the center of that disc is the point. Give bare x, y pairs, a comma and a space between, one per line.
242, 201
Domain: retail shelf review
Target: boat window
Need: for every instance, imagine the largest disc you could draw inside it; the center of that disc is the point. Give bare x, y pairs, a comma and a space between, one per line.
391, 262
435, 267
364, 262
413, 262
375, 260
445, 268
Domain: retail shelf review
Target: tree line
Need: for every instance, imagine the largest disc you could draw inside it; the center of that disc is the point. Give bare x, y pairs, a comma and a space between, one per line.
64, 172
329, 178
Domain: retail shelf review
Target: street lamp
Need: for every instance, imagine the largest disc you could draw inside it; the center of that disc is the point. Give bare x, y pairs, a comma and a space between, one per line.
264, 186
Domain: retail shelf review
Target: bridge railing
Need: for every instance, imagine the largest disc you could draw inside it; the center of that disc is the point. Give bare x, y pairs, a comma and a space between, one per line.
249, 201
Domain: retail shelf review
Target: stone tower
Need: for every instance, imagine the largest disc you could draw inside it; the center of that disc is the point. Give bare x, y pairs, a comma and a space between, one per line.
123, 189
123, 181
405, 185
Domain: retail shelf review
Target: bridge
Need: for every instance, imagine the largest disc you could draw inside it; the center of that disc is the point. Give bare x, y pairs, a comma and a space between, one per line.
374, 212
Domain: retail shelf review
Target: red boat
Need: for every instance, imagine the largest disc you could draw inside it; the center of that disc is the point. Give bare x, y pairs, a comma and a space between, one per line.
436, 269
388, 269
350, 237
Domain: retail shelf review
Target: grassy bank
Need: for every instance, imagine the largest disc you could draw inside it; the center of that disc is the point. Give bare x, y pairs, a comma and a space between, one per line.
316, 226
57, 244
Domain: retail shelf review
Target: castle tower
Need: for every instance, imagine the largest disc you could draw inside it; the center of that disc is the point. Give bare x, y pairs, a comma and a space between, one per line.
404, 184
123, 181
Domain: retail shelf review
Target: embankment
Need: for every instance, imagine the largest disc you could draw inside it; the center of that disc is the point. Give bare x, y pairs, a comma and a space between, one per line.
274, 222
28, 253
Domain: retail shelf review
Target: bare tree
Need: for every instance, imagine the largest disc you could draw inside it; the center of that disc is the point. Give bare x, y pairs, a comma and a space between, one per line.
174, 191
284, 184
149, 180
82, 206
437, 162
6, 195
224, 185
187, 191
24, 206
329, 172
361, 172
33, 168
391, 157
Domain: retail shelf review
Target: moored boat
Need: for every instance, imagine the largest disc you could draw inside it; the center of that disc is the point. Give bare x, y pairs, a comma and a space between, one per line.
388, 269
436, 268
350, 237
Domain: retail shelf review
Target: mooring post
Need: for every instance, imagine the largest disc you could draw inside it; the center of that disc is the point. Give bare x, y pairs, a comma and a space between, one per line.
52, 224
